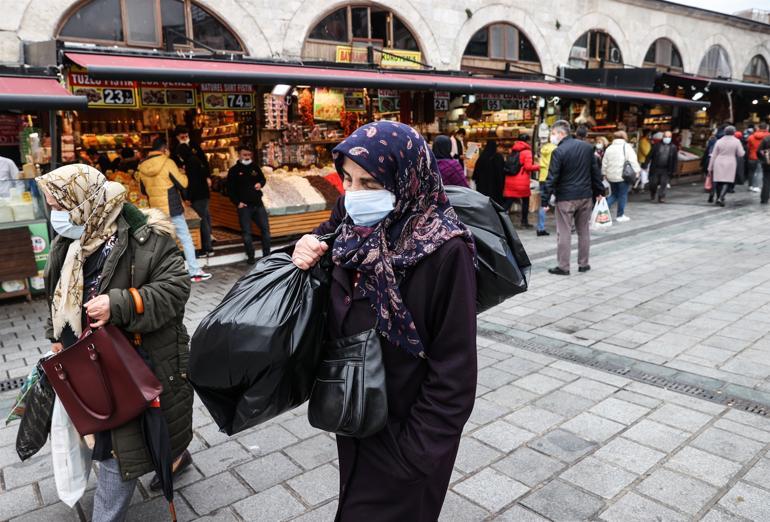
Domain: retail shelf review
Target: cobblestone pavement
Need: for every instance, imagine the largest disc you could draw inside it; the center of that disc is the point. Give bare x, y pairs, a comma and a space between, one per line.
680, 295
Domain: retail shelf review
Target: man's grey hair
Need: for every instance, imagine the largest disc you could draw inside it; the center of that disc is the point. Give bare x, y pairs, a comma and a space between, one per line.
730, 130
562, 126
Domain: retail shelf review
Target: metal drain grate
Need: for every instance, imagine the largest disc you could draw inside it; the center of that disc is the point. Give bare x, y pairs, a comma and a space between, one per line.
694, 385
12, 384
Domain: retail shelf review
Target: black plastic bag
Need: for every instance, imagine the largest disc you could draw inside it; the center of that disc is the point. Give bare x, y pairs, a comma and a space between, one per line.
256, 355
504, 266
36, 422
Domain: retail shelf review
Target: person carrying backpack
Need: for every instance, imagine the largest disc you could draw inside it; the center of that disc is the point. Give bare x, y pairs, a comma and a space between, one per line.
517, 170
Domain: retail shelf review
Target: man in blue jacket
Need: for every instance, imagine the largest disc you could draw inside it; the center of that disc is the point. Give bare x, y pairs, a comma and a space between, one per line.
575, 178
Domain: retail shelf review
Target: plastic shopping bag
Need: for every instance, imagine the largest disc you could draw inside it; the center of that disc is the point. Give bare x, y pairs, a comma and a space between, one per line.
601, 219
255, 355
644, 177
35, 424
71, 457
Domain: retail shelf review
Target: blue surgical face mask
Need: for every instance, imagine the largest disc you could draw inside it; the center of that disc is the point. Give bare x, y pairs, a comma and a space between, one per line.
666, 140
63, 225
369, 207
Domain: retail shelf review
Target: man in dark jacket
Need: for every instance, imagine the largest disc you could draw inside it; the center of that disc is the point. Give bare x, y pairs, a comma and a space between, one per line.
763, 152
575, 178
199, 181
662, 165
244, 187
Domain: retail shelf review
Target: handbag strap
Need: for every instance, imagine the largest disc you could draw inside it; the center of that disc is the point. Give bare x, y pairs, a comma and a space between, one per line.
93, 355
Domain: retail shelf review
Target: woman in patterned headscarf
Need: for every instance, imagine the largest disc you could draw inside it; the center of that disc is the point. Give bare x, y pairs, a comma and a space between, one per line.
404, 265
112, 263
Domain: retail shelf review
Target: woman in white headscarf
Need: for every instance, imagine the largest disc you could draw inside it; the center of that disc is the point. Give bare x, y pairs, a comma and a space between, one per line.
113, 263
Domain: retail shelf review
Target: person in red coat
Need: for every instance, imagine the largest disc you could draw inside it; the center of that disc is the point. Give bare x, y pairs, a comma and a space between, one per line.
517, 183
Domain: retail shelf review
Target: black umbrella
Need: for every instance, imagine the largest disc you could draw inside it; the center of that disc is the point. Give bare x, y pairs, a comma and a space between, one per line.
158, 442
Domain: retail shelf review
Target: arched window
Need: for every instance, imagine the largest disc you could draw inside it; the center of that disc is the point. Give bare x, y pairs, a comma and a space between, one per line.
595, 49
663, 55
358, 27
495, 45
167, 24
757, 70
715, 63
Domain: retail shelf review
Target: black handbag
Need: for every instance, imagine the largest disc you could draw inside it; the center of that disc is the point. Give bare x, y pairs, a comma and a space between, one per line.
349, 396
36, 422
629, 174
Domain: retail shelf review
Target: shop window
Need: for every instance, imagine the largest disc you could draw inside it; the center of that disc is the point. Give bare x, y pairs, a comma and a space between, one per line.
165, 24
501, 42
595, 49
715, 63
663, 54
211, 32
97, 20
757, 70
379, 26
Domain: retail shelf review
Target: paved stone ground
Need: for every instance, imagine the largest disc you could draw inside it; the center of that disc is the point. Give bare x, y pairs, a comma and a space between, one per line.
682, 286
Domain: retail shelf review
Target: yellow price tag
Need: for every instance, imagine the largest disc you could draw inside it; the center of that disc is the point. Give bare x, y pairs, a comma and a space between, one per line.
26, 197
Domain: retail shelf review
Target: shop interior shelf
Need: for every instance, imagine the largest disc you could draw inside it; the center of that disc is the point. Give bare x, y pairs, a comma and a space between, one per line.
221, 136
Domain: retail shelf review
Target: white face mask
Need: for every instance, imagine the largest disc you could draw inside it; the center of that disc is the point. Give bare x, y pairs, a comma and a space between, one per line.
61, 221
185, 142
666, 140
555, 139
369, 207
63, 225
599, 146
246, 161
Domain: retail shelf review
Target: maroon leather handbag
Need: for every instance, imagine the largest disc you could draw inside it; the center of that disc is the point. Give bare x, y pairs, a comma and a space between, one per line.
102, 381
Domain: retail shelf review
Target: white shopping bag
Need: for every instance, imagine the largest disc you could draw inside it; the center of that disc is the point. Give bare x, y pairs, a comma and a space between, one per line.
644, 177
601, 219
71, 457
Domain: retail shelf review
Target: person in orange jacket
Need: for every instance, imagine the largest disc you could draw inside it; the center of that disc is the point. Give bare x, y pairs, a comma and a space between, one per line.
517, 170
752, 146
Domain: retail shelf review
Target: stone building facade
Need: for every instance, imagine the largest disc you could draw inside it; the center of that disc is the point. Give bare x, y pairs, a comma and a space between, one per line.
277, 30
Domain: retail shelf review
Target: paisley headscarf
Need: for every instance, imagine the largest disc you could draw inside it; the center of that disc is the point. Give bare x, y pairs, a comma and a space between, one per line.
398, 157
91, 201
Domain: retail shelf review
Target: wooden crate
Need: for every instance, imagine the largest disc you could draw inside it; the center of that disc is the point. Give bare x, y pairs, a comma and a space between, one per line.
224, 214
685, 168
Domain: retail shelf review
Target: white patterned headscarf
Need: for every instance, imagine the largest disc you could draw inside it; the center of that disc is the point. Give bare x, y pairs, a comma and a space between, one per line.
95, 203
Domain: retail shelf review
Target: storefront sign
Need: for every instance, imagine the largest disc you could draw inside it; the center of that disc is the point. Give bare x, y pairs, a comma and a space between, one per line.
355, 101
167, 94
441, 101
227, 97
388, 101
116, 94
328, 104
9, 130
401, 59
350, 54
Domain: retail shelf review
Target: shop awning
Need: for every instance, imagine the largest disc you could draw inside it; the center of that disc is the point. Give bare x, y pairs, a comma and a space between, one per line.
759, 88
125, 67
32, 93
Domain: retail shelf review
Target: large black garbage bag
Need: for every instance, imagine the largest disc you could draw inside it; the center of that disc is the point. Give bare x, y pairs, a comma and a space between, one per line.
255, 356
504, 266
36, 422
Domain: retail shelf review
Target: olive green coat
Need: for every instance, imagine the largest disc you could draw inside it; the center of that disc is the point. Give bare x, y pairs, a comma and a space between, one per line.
145, 257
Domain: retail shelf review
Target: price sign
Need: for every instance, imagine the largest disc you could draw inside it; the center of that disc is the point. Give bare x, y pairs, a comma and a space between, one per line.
494, 105
103, 93
168, 94
119, 97
9, 130
227, 97
441, 104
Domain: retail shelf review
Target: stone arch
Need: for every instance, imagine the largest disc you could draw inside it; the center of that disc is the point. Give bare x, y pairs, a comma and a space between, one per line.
718, 39
309, 14
597, 22
502, 14
41, 22
654, 34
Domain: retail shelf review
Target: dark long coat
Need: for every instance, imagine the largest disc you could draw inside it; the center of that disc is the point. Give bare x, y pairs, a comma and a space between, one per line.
402, 473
